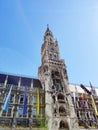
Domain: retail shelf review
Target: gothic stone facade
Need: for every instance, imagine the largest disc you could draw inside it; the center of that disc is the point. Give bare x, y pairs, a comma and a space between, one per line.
14, 117
61, 113
50, 103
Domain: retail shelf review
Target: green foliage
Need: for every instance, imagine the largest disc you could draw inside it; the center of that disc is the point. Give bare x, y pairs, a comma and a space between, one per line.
42, 124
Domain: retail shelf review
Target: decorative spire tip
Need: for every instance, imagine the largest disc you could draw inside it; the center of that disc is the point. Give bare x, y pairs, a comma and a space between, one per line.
47, 25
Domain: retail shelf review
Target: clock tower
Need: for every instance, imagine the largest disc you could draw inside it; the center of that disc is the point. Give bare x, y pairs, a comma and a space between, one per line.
50, 50
59, 109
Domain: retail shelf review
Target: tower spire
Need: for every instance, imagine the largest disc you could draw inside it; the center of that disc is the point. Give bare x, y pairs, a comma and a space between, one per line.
53, 76
47, 25
48, 31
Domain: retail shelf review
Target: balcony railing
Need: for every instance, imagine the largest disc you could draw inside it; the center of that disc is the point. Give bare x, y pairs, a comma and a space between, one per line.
61, 101
62, 113
63, 129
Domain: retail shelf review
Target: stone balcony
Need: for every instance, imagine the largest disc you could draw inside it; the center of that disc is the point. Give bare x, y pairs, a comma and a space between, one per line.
61, 101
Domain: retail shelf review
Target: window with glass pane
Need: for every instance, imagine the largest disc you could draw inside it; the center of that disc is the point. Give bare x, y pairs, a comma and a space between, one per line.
20, 111
34, 99
34, 112
12, 98
3, 113
9, 109
21, 98
1, 97
1, 85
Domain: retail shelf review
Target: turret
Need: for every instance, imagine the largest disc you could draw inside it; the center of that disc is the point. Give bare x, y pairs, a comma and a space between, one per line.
50, 49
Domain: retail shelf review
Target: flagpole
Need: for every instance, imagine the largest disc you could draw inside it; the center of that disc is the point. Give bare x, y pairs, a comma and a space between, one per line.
25, 102
38, 101
6, 104
93, 101
95, 108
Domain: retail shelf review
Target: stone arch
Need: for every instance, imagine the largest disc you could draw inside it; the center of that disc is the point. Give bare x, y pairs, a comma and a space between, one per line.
64, 125
45, 68
55, 72
62, 111
61, 98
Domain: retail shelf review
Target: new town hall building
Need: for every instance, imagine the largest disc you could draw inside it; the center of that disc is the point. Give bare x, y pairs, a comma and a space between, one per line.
52, 103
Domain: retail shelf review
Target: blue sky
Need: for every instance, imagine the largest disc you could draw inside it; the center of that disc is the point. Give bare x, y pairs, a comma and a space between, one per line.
73, 22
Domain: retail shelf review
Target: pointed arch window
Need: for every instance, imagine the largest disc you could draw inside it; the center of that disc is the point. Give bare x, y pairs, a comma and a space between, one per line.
64, 125
61, 98
62, 111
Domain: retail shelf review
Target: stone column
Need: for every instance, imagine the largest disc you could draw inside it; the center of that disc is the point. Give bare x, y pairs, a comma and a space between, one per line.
17, 111
32, 84
19, 82
12, 111
1, 111
5, 83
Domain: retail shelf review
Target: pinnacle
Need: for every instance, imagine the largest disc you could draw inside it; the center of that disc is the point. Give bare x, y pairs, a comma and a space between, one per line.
48, 31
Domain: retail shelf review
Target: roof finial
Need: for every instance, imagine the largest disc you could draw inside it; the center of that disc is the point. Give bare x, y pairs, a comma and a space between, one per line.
48, 31
47, 25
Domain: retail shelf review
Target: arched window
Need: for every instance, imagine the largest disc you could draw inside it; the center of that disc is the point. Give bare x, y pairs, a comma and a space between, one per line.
61, 98
62, 111
64, 124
